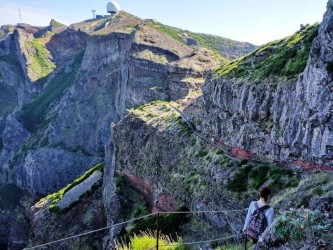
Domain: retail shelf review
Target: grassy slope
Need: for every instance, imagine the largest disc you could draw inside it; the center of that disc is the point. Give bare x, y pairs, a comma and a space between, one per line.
41, 64
32, 114
282, 58
56, 24
225, 47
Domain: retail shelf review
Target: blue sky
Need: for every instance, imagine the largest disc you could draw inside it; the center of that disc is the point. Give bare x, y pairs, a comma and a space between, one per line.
256, 21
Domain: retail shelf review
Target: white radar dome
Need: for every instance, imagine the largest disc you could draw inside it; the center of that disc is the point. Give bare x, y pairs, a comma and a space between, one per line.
113, 7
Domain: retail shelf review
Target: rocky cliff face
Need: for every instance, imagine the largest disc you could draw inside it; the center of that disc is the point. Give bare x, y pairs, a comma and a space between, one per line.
270, 112
76, 81
72, 217
269, 104
61, 88
172, 167
79, 98
154, 144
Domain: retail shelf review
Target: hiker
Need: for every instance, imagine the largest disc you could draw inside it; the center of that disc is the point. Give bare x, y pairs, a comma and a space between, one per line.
259, 216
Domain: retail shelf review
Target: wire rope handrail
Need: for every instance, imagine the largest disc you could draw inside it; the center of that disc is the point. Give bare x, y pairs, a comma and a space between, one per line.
89, 232
204, 241
198, 242
128, 221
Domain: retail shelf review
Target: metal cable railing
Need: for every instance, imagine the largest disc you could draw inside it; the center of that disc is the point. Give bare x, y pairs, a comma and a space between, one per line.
139, 218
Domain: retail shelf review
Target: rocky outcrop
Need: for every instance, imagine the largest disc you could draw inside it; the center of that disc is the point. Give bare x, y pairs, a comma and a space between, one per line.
75, 193
171, 167
107, 67
270, 118
12, 77
53, 129
281, 119
86, 215
48, 169
67, 125
79, 203
13, 135
14, 219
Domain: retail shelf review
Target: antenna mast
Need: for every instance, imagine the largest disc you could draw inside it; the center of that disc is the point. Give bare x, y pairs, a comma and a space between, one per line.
94, 16
20, 15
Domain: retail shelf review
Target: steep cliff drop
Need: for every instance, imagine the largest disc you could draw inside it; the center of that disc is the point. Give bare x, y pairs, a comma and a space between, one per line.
276, 101
270, 112
62, 87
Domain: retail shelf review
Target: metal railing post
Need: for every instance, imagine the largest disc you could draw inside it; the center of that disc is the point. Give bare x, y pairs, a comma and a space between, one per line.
157, 229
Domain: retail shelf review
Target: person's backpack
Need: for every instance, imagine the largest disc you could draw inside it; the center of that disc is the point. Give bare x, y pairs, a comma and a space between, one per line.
258, 222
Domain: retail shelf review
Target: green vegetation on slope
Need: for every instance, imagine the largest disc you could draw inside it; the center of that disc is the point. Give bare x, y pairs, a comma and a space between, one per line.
147, 240
253, 177
282, 58
225, 48
202, 170
56, 24
161, 114
169, 224
299, 225
132, 205
32, 114
56, 197
173, 32
312, 187
41, 64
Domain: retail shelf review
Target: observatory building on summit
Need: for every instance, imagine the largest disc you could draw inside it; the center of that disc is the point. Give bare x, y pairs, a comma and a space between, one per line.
113, 7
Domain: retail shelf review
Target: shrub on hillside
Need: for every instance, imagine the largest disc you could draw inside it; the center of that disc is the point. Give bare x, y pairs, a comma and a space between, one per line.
147, 240
169, 224
297, 225
252, 177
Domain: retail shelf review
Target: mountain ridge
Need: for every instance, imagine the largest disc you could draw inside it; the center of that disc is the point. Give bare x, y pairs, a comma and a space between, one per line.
110, 97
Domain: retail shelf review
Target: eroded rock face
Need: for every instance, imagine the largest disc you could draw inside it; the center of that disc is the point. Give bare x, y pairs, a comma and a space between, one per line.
86, 215
47, 169
13, 80
124, 66
273, 119
75, 193
110, 69
164, 163
13, 135
14, 219
282, 120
